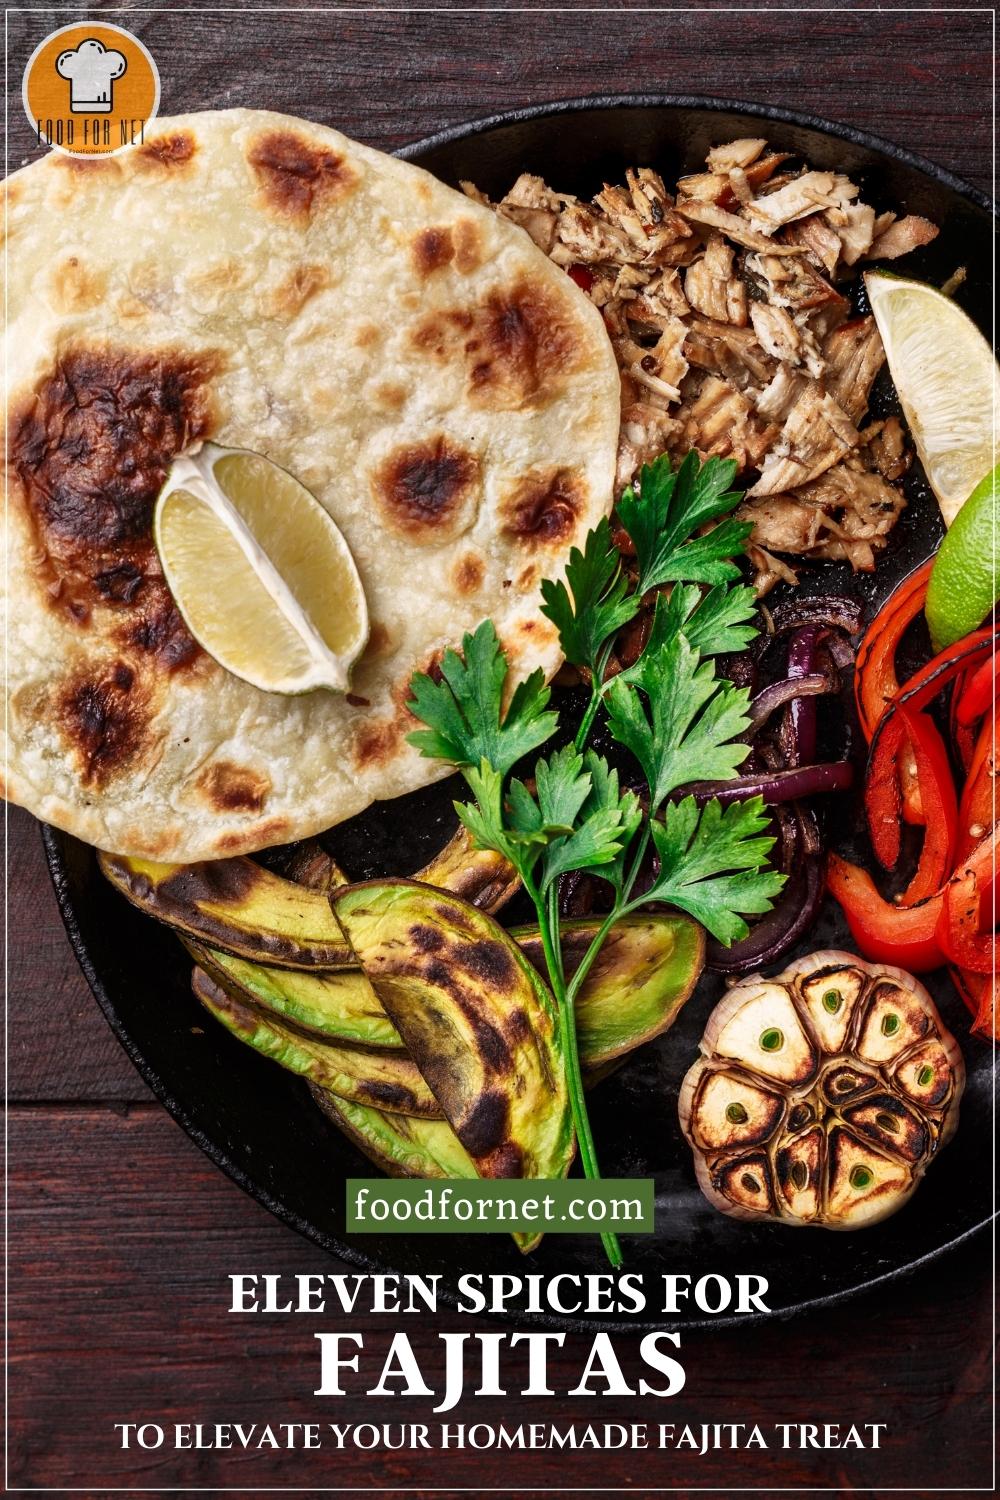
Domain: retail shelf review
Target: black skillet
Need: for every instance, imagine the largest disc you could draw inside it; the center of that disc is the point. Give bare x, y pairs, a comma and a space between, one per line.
259, 1124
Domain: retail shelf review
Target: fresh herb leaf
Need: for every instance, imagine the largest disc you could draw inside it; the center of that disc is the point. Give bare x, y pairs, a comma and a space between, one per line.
664, 516
593, 603
462, 711
576, 811
606, 792
691, 729
710, 861
716, 624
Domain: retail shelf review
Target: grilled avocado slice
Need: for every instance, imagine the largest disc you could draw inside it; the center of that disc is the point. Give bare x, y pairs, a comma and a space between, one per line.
385, 1080
237, 906
475, 1018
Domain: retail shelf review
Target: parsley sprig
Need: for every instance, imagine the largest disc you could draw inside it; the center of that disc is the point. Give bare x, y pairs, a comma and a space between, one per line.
679, 720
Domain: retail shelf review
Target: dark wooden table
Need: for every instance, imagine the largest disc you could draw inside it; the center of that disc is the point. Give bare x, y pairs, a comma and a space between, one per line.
121, 1233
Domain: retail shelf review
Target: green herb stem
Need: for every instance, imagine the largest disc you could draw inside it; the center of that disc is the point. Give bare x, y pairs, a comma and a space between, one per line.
567, 1021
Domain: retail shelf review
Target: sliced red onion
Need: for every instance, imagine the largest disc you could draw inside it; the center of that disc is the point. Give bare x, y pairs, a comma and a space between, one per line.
802, 711
777, 786
831, 610
769, 699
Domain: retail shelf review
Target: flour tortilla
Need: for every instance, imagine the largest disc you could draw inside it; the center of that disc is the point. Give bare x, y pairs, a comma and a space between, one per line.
432, 377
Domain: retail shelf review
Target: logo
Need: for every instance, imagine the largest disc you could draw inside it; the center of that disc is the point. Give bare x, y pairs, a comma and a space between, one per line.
90, 89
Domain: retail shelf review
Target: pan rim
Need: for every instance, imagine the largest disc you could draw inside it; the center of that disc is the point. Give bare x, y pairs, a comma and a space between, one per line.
713, 104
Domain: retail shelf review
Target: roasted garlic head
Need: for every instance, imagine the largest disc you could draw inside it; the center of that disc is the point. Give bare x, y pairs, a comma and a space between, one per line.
822, 1094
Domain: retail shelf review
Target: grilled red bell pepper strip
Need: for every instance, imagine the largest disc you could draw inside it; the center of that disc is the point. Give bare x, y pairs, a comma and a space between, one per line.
981, 998
977, 692
977, 808
963, 736
892, 763
959, 929
940, 806
903, 935
875, 680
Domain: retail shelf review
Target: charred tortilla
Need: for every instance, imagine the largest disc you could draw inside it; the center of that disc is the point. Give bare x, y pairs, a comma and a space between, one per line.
439, 385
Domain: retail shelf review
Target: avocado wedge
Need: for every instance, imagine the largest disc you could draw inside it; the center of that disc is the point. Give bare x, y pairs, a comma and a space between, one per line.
480, 876
238, 906
337, 1007
386, 1080
643, 974
402, 1147
475, 1018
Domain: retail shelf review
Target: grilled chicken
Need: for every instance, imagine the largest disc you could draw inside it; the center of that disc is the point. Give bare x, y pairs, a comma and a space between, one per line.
724, 304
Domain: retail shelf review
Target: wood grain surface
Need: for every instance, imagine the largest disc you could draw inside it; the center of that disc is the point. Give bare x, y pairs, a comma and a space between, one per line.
121, 1233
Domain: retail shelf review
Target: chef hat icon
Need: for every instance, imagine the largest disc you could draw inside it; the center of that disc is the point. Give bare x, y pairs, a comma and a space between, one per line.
91, 70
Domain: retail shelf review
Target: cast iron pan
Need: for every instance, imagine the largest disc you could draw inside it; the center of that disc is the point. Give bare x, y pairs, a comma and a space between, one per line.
258, 1122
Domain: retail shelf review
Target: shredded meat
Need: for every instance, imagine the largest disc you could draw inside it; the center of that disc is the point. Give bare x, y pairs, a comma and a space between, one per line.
901, 237
854, 356
724, 303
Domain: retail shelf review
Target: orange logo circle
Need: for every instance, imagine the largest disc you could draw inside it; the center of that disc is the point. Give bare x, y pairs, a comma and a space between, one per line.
90, 89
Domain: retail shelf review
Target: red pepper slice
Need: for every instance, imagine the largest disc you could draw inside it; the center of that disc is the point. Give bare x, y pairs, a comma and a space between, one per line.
892, 762
981, 998
977, 809
903, 935
959, 924
940, 804
977, 692
875, 680
963, 736
960, 936
582, 275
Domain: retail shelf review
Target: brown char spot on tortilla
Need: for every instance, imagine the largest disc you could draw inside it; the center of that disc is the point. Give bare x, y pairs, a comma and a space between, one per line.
376, 743
484, 1131
543, 507
91, 447
292, 293
421, 488
76, 287
273, 831
516, 343
467, 574
103, 715
169, 151
468, 246
296, 176
231, 788
431, 249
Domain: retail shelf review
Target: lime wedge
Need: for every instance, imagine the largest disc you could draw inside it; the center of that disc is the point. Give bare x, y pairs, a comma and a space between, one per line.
964, 582
946, 376
259, 570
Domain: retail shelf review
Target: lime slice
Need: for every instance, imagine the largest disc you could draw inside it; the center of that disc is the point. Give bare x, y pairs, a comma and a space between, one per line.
946, 377
964, 583
261, 573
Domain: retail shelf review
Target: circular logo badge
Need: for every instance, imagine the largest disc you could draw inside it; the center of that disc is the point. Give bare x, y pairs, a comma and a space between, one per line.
90, 89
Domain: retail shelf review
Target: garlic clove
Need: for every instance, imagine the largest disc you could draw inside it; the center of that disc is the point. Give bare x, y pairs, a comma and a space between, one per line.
764, 1033
864, 1186
830, 996
888, 1124
895, 1018
926, 1076
727, 1111
798, 1172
